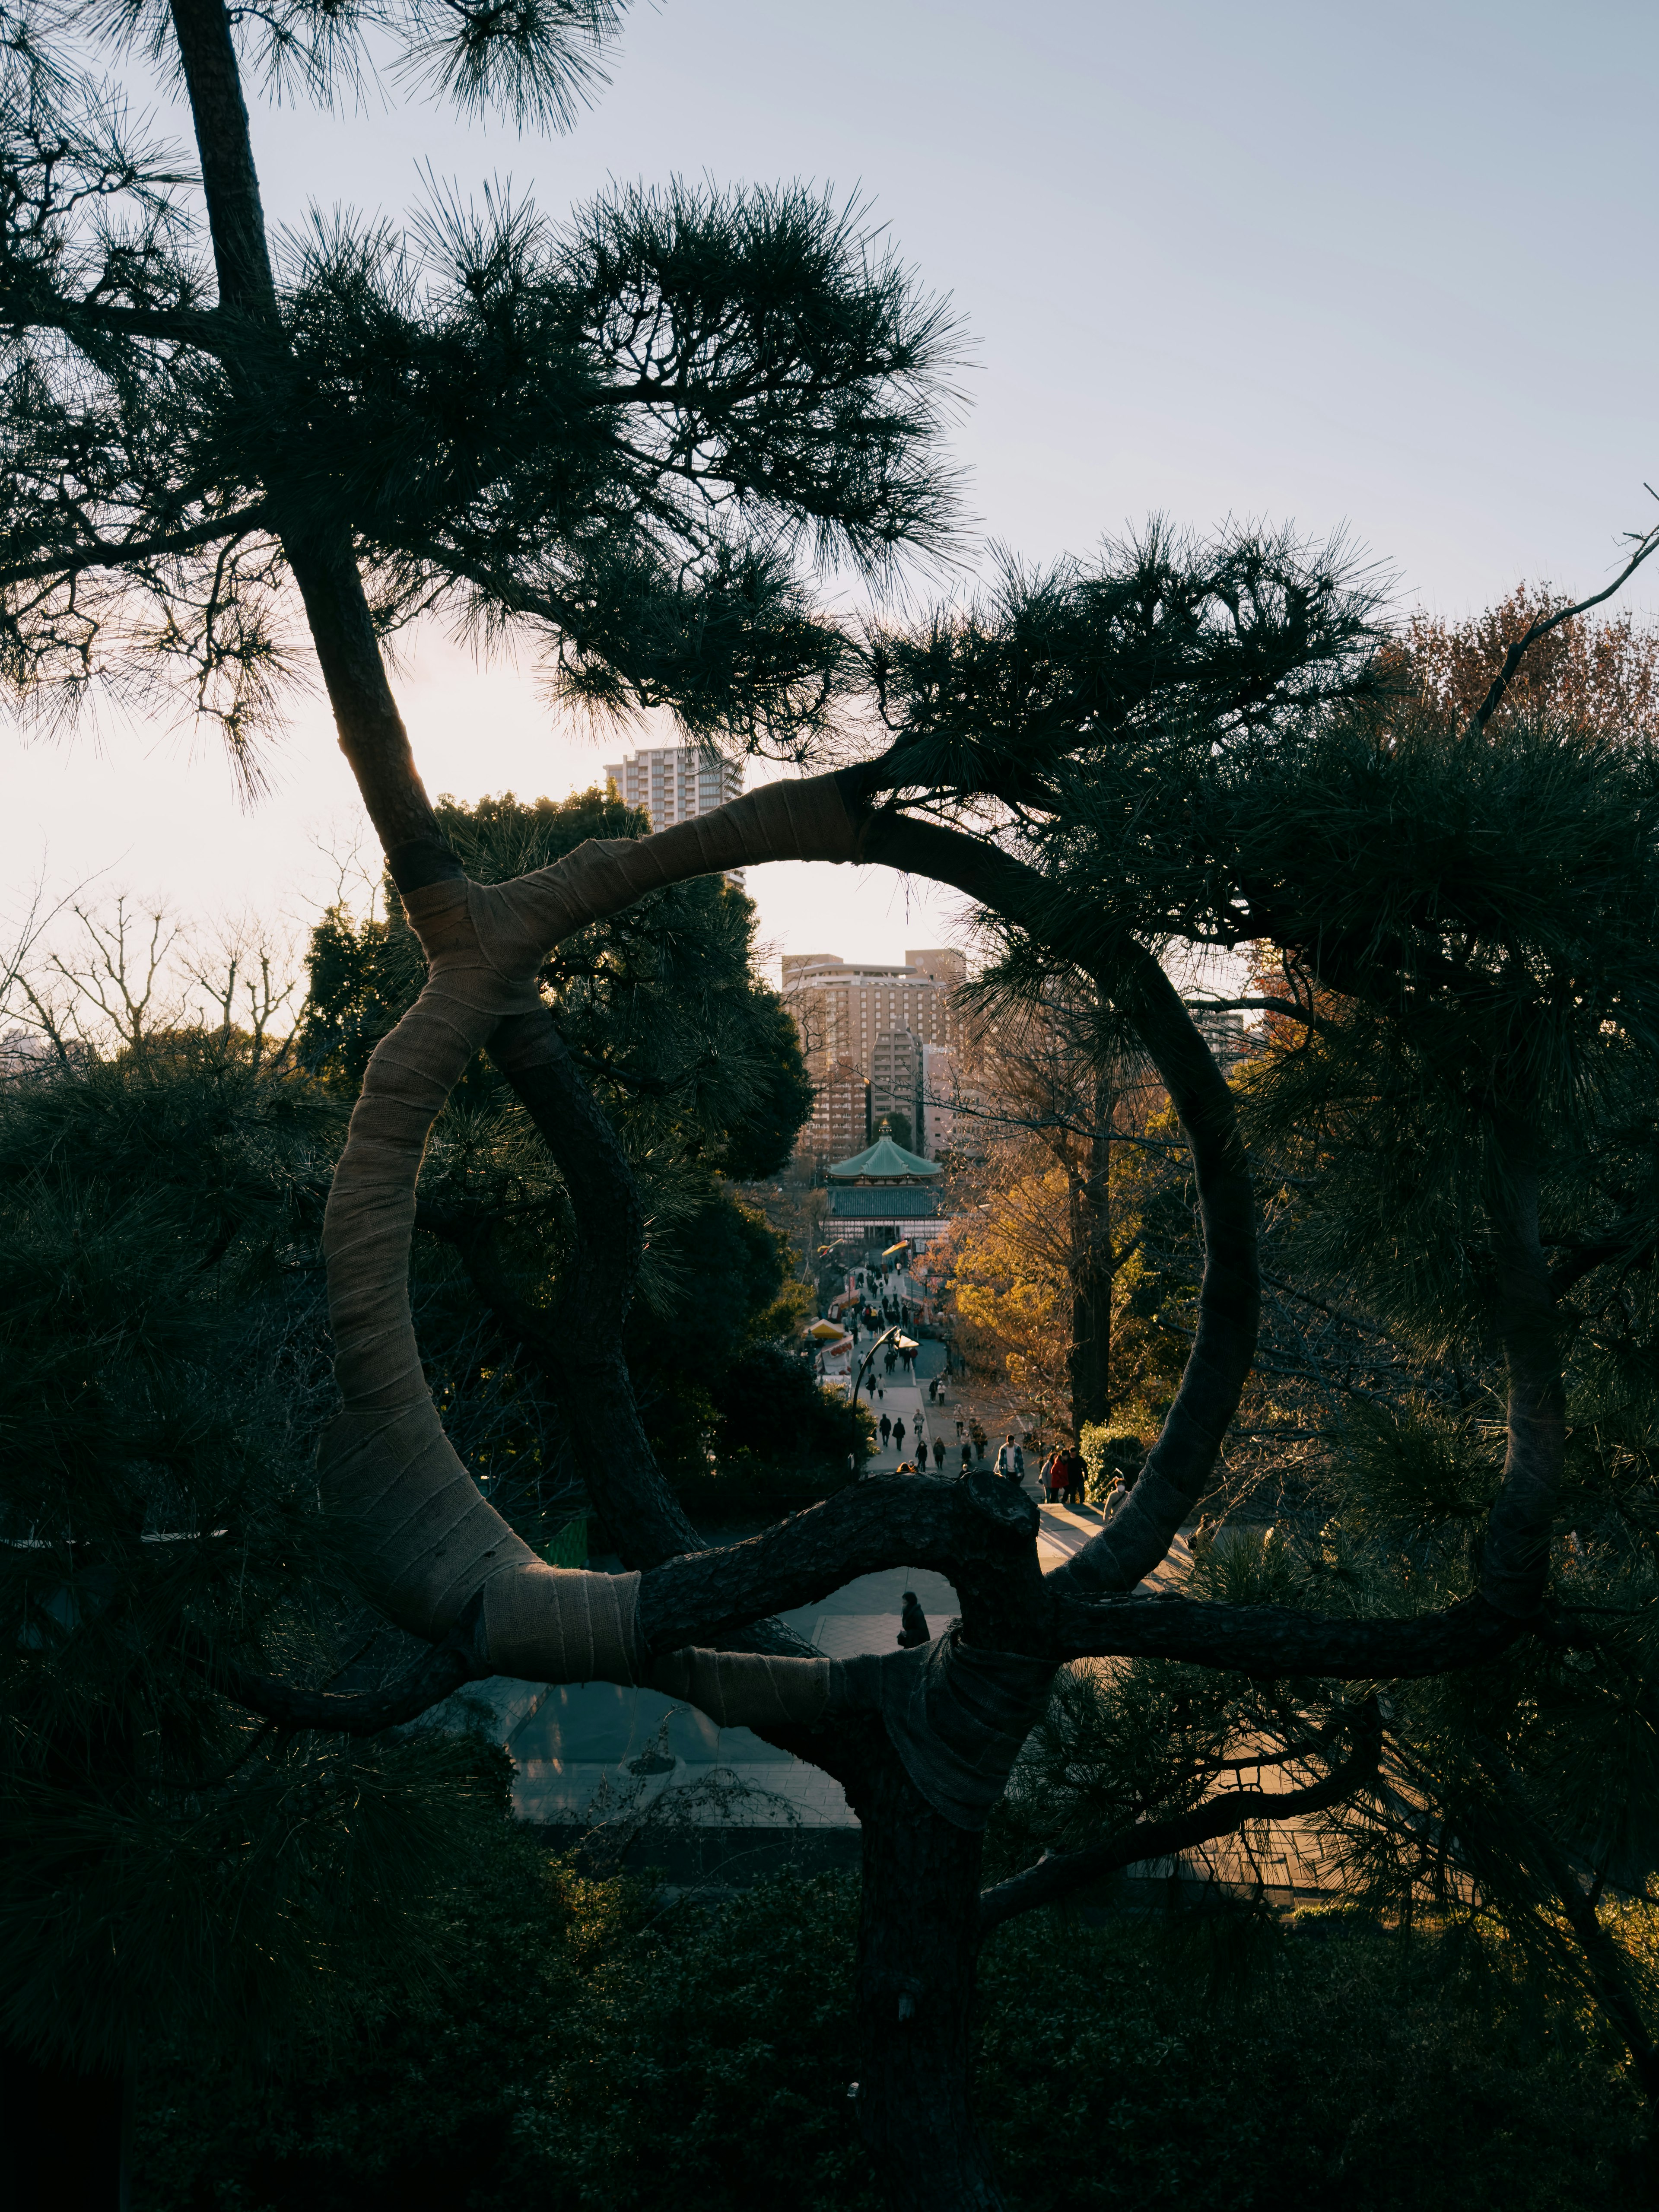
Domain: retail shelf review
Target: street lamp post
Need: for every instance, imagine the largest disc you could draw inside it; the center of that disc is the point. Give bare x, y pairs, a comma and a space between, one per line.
869, 1355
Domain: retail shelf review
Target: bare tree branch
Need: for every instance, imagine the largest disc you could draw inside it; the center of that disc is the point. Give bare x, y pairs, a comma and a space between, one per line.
1544, 624
126, 553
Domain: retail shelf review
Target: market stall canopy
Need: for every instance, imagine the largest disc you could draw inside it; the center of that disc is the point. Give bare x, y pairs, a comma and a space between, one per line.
826, 1331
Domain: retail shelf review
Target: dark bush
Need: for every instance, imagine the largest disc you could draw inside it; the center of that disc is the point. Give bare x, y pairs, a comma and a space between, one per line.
580, 2049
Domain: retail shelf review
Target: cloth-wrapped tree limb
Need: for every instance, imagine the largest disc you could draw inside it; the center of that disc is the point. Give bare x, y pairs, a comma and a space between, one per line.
1181, 1462
422, 1539
957, 1715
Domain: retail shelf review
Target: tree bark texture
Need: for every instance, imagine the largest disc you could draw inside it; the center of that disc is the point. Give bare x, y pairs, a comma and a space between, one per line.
371, 730
918, 1945
643, 1519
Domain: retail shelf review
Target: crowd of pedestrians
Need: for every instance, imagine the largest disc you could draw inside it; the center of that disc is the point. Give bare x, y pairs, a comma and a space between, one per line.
879, 1308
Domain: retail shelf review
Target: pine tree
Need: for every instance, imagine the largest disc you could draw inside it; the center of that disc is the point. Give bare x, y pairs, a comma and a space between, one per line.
620, 438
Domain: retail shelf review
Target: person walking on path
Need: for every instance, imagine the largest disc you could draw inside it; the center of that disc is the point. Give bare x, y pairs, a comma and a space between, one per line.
1053, 1477
886, 1428
938, 1452
913, 1622
1075, 1471
967, 1457
1011, 1461
898, 1434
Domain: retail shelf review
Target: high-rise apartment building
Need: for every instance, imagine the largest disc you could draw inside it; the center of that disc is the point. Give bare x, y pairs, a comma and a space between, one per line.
895, 1085
841, 1114
676, 783
952, 1119
849, 1013
1222, 1029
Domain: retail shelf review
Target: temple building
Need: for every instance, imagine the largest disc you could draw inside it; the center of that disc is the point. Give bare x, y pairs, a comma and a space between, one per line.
886, 1195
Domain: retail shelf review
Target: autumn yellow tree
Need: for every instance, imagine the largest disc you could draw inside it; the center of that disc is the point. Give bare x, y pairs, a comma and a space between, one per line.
1047, 1248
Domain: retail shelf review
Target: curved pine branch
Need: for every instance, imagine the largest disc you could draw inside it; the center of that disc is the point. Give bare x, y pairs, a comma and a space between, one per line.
1061, 1873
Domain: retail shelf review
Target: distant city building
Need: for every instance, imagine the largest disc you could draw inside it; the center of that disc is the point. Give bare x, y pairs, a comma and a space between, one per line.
676, 783
1222, 1029
852, 1014
951, 1116
895, 1084
840, 1112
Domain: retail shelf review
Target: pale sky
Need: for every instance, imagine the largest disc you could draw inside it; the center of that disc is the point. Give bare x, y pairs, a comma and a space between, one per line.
1390, 268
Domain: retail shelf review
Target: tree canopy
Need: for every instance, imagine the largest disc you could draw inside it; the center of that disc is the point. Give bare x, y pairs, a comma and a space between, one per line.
636, 438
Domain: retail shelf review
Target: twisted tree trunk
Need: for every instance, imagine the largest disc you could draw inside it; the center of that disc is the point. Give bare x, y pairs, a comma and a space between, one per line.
918, 1946
449, 1565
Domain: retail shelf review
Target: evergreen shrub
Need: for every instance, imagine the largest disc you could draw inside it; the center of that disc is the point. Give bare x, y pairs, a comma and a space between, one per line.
581, 2046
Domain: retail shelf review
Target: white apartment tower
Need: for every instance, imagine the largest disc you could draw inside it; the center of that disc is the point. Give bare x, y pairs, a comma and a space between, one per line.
676, 783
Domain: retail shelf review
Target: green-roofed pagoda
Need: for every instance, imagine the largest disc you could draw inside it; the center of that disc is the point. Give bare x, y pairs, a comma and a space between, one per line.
885, 1162
885, 1194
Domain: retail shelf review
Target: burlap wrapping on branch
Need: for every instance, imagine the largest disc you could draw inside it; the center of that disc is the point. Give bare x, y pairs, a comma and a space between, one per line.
746, 1689
957, 1715
421, 1536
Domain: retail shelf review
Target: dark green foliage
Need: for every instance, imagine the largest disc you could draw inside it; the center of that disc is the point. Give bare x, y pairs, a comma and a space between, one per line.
1126, 667
166, 1865
732, 1413
625, 439
777, 1441
770, 1403
588, 2050
761, 1141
